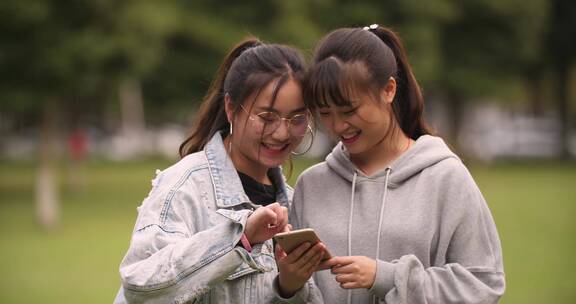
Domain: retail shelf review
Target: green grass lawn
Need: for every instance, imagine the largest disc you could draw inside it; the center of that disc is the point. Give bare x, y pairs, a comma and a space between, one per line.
533, 205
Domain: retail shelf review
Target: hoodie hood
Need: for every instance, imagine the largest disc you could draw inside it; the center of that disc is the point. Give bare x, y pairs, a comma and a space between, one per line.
427, 151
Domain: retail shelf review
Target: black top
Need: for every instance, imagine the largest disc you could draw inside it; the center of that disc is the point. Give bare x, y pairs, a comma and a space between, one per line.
260, 194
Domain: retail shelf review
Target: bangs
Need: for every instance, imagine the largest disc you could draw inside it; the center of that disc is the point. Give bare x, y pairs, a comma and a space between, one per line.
331, 82
256, 82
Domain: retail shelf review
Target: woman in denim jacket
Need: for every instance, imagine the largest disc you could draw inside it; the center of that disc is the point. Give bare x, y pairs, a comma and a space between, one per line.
203, 233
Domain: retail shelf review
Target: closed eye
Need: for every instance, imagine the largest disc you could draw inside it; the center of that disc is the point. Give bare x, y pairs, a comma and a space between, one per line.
350, 112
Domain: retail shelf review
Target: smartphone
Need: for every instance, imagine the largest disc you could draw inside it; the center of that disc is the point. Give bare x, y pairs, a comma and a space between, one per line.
292, 239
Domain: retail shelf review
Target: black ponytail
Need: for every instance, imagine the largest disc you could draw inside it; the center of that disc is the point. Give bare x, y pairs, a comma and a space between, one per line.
247, 68
409, 102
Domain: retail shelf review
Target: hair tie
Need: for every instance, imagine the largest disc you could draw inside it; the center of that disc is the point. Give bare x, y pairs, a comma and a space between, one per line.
371, 27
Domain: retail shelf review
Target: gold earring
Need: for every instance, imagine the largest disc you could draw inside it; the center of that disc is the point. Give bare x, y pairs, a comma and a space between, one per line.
309, 147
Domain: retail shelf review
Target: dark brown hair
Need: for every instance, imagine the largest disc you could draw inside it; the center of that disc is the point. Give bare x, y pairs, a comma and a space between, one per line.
350, 60
248, 68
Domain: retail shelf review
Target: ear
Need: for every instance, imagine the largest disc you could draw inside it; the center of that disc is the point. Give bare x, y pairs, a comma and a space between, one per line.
388, 91
228, 107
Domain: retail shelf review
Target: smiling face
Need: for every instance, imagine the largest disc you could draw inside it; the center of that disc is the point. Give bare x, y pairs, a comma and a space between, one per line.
256, 144
363, 124
360, 126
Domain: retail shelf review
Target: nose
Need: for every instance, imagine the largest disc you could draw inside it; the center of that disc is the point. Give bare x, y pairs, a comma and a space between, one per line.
282, 133
339, 124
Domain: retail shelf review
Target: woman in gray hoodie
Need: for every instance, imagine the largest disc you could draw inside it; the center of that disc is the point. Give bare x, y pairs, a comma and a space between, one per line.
397, 209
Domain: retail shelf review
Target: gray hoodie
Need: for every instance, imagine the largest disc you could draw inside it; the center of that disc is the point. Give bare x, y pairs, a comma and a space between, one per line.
422, 218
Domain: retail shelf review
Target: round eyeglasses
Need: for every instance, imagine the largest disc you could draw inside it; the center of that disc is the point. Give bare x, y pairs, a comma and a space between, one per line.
268, 122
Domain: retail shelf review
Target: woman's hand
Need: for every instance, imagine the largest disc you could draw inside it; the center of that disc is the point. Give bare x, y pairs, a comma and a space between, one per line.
297, 267
354, 271
265, 222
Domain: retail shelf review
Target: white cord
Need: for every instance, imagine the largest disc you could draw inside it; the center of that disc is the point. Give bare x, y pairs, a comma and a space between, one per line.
350, 226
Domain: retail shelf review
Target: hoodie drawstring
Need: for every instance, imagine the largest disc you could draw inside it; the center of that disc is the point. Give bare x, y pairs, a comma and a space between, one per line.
382, 212
381, 216
350, 226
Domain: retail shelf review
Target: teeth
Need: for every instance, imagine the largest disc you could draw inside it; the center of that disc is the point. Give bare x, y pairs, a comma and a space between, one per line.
275, 147
349, 136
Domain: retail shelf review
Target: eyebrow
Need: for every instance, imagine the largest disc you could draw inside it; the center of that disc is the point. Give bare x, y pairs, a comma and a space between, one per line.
270, 109
341, 108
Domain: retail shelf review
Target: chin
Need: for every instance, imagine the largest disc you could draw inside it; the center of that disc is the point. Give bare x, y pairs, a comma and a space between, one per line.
272, 162
357, 148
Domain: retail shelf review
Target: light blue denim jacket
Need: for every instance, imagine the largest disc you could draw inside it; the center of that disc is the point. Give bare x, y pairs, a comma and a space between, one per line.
184, 245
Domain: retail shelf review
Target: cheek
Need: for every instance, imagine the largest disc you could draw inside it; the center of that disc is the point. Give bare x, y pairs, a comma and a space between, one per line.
247, 138
253, 140
375, 118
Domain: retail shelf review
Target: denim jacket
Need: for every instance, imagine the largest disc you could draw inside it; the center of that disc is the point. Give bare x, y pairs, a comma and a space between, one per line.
184, 246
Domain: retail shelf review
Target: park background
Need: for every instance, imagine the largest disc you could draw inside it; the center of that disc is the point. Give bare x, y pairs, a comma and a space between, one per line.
95, 95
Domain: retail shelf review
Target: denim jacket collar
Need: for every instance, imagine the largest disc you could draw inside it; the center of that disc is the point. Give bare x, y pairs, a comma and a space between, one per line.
227, 184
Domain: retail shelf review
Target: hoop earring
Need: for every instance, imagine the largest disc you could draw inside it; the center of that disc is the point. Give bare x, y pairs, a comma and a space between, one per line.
230, 141
309, 147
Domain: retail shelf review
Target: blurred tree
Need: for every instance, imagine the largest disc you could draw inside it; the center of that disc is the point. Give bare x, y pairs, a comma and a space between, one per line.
485, 49
560, 54
208, 30
61, 56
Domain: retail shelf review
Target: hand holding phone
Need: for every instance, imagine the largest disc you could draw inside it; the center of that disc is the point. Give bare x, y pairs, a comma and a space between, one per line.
298, 254
292, 239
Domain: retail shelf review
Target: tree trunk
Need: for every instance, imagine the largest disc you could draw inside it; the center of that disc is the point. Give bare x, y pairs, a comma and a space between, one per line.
132, 108
132, 116
455, 109
563, 108
47, 198
534, 89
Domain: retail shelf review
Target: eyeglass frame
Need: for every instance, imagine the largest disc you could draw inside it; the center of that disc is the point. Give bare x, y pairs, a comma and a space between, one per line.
307, 114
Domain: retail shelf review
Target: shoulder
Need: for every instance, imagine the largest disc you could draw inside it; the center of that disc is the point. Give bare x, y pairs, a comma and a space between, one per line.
457, 185
178, 179
189, 163
317, 170
182, 171
451, 170
313, 173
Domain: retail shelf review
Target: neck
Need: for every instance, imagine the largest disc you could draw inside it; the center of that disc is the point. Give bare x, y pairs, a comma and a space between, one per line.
382, 154
243, 164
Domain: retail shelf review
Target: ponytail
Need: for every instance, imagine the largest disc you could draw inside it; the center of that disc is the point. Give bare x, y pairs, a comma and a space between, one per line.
408, 105
211, 116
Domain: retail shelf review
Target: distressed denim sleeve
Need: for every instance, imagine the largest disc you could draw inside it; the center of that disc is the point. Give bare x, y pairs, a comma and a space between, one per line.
172, 260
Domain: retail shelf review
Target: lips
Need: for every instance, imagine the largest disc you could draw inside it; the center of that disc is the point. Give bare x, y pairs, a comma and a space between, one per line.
274, 149
350, 138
